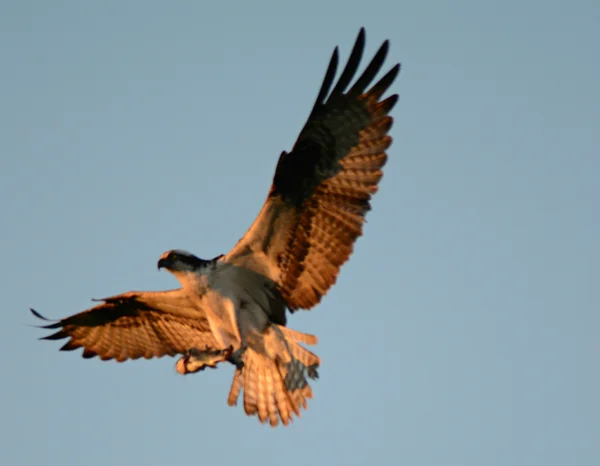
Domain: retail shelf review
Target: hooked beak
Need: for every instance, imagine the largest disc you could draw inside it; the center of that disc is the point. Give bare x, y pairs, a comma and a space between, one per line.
162, 263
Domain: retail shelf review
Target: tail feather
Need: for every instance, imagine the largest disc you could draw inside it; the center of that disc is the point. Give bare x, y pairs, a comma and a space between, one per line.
236, 388
300, 337
272, 408
251, 387
281, 398
263, 394
307, 358
275, 383
264, 391
297, 395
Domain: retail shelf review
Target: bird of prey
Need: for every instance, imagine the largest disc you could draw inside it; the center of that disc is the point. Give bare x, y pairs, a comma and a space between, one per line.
233, 307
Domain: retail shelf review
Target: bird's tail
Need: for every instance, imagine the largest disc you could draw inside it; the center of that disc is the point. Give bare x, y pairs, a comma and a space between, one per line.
275, 382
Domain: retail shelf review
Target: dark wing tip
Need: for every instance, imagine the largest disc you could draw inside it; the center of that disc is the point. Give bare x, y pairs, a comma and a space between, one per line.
391, 75
55, 336
55, 325
327, 80
86, 354
362, 34
113, 299
39, 316
389, 103
371, 70
351, 65
385, 82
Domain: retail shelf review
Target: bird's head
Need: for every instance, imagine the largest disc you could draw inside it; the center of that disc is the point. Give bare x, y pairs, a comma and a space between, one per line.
180, 261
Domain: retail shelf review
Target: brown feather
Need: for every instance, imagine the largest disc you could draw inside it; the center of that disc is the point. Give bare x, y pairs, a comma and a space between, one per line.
262, 392
236, 387
322, 189
276, 388
134, 325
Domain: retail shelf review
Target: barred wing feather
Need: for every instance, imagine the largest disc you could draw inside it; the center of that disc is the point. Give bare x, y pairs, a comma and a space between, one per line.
134, 325
322, 189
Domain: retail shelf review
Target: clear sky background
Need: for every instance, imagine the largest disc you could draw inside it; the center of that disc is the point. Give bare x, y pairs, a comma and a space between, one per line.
463, 331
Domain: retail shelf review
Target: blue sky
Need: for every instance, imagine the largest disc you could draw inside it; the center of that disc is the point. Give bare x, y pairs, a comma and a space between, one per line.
464, 330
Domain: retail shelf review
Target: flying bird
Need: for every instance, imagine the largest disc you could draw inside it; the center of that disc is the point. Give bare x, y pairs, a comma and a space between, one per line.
232, 308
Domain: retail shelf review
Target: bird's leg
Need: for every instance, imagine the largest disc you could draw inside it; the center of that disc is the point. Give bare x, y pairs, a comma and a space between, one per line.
197, 360
236, 357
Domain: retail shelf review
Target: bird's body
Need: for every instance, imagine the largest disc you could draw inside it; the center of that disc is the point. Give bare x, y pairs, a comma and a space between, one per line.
246, 315
233, 307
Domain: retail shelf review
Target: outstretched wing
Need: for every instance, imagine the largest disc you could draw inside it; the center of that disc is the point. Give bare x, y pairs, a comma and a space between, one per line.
321, 190
134, 325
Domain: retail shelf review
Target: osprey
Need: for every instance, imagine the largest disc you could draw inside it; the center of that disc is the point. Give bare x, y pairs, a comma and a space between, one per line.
233, 307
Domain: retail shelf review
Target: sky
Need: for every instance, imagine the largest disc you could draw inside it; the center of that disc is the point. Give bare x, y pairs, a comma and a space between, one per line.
464, 329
